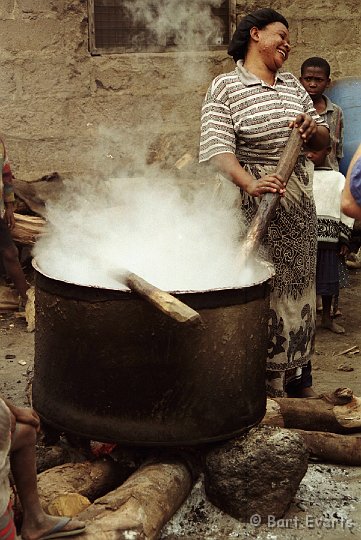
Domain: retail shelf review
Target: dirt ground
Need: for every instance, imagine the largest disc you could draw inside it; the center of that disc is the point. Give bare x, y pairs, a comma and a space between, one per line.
328, 503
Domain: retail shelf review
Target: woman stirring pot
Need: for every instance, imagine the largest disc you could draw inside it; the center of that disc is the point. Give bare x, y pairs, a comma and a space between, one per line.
247, 118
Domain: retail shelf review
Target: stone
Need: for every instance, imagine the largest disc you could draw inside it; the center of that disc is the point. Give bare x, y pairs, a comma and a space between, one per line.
257, 473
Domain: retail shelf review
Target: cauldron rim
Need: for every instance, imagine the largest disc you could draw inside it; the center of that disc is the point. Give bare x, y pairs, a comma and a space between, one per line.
269, 269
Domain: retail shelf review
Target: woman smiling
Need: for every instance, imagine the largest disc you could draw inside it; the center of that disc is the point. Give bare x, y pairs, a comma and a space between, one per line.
247, 117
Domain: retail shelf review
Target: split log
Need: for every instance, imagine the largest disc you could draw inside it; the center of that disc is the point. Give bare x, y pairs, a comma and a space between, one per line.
339, 412
27, 229
69, 504
141, 506
332, 447
70, 487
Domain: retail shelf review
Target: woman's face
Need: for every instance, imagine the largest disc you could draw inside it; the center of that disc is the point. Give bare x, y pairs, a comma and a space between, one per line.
274, 45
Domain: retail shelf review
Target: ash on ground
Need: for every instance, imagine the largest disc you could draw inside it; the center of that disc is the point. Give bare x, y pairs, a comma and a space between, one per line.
327, 505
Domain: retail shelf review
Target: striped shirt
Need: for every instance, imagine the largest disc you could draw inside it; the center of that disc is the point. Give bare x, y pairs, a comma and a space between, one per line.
247, 117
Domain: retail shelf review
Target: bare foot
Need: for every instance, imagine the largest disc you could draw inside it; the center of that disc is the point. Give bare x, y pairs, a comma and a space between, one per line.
307, 392
334, 327
52, 527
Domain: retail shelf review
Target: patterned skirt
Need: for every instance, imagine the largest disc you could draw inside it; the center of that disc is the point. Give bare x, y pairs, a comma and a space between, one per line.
7, 527
291, 244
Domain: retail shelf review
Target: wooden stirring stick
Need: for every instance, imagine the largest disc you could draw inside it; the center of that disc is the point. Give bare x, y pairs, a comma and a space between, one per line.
162, 300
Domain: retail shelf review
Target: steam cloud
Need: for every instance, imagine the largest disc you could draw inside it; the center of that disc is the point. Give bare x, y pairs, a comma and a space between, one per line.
190, 23
147, 226
176, 237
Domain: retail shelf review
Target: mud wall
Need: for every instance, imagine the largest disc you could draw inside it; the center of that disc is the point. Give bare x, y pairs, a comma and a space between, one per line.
64, 110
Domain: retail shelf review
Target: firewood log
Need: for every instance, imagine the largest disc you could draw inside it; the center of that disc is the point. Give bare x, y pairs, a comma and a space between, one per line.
27, 229
332, 447
339, 412
141, 506
71, 486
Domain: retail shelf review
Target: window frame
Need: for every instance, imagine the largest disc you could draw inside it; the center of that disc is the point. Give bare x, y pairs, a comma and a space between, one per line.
97, 51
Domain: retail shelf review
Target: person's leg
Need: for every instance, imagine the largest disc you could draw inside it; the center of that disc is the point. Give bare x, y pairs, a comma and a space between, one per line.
36, 522
336, 312
10, 260
301, 386
327, 321
13, 269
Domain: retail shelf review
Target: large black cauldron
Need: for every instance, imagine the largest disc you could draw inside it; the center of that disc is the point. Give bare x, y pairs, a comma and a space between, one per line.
111, 367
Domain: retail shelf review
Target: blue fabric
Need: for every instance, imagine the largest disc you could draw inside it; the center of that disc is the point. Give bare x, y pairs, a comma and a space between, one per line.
355, 181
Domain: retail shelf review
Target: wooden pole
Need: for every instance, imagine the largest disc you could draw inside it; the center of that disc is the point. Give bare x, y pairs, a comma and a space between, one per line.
162, 300
269, 201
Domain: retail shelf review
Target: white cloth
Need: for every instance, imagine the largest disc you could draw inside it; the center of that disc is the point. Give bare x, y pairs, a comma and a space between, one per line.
5, 441
327, 189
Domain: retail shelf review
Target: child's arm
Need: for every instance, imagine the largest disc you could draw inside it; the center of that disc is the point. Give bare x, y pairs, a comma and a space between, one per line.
23, 415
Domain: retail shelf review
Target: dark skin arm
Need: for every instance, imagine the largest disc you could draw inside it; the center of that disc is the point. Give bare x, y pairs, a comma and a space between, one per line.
9, 215
228, 164
315, 136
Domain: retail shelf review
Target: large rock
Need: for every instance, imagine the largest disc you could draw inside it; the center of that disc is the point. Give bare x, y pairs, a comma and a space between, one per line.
258, 473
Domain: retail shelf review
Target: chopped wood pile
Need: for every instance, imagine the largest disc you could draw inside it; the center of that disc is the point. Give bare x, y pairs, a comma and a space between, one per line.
27, 229
328, 424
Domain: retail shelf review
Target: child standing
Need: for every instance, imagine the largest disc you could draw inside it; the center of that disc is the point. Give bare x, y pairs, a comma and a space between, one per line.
315, 77
8, 250
334, 232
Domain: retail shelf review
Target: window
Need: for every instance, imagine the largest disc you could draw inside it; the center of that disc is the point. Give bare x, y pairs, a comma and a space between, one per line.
117, 26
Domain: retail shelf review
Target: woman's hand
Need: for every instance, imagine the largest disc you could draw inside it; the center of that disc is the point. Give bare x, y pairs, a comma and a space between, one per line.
270, 183
306, 126
230, 167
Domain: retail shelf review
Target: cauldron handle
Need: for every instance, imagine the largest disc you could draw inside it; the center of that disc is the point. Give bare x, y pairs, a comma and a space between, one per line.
162, 300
